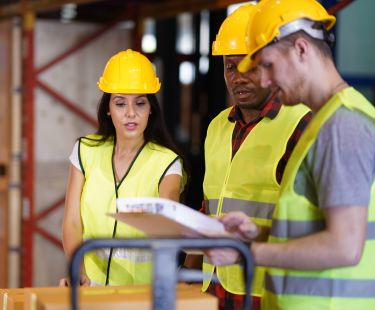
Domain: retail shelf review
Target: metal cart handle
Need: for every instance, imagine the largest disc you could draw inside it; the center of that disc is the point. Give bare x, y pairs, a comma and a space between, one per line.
165, 271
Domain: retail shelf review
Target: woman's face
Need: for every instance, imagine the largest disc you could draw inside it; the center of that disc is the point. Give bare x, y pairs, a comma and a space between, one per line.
129, 113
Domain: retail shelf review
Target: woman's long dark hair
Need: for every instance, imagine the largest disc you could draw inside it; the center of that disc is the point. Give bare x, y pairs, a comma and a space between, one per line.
156, 130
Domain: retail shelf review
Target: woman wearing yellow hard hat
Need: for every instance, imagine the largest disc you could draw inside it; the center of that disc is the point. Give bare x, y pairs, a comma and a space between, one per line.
130, 155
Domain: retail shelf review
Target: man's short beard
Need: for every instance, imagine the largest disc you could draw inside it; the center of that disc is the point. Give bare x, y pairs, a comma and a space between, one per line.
245, 106
251, 106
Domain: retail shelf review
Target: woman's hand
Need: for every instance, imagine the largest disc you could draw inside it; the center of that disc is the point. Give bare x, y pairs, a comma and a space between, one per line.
83, 281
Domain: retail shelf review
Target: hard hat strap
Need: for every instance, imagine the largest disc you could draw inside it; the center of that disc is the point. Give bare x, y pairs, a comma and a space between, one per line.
312, 28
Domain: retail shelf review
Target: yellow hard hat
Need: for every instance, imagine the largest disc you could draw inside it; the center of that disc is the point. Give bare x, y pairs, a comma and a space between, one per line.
129, 72
275, 19
230, 40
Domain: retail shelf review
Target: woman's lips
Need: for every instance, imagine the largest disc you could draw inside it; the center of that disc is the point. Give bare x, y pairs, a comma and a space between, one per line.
131, 126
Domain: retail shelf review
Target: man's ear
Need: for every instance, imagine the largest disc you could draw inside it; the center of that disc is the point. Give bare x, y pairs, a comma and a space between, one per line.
302, 47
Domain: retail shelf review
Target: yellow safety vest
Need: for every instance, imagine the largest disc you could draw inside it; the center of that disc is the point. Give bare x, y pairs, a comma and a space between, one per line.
343, 288
247, 182
128, 266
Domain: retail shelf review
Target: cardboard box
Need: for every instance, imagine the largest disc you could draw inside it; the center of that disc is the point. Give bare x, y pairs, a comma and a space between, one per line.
98, 298
12, 299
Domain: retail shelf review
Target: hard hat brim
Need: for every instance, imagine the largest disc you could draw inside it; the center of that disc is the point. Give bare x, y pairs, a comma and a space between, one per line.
245, 64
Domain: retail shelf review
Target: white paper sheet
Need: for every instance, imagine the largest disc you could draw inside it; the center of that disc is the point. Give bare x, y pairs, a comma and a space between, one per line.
162, 217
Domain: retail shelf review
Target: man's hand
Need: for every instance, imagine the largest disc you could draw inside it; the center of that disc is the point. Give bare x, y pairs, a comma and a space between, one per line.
239, 224
225, 256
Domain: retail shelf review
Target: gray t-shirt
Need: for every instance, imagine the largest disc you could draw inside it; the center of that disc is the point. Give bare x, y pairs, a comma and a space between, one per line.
341, 163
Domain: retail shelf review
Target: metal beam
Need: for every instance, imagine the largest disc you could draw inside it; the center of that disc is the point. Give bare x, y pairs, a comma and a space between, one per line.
19, 8
46, 235
334, 9
169, 8
166, 8
47, 211
85, 41
67, 103
156, 9
29, 158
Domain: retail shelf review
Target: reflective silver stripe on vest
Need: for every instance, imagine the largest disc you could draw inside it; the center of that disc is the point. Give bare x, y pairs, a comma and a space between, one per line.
370, 231
296, 229
256, 209
320, 287
211, 206
139, 256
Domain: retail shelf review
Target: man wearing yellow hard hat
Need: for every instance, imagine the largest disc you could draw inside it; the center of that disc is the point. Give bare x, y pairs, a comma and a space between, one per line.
321, 248
246, 149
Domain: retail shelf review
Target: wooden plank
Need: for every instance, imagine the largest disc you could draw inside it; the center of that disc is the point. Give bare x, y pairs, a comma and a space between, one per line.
137, 297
